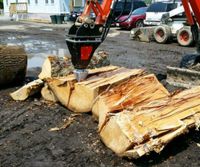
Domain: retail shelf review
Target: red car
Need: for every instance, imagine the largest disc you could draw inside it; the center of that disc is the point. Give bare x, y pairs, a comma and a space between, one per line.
135, 20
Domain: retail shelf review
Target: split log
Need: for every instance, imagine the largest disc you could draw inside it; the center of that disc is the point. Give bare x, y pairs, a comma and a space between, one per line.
62, 87
12, 65
80, 96
137, 132
85, 93
55, 66
132, 93
27, 90
48, 95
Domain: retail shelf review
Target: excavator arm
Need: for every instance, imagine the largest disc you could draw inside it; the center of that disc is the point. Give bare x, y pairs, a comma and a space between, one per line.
195, 6
193, 18
87, 34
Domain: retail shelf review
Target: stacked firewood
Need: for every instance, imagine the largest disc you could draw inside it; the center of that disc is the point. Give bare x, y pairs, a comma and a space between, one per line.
136, 114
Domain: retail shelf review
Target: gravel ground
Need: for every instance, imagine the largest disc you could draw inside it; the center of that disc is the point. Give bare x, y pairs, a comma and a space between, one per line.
24, 136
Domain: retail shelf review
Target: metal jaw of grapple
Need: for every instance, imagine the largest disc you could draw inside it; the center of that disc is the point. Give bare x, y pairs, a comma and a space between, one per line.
82, 41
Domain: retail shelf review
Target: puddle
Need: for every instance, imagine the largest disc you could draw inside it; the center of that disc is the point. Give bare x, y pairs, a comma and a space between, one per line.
12, 38
36, 60
11, 27
46, 29
37, 50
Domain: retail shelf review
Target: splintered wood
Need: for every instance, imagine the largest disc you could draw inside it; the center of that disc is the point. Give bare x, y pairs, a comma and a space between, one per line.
138, 131
136, 114
80, 96
27, 90
55, 66
132, 93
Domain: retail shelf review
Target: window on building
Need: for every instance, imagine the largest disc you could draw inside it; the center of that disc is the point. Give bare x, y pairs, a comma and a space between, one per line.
36, 1
28, 1
46, 1
7, 2
52, 1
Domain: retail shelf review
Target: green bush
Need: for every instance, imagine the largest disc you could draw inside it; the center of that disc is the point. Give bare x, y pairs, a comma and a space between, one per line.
148, 1
1, 4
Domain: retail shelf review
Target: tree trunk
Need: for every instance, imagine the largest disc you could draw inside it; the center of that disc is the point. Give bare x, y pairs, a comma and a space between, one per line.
86, 92
63, 87
132, 93
135, 132
80, 96
13, 64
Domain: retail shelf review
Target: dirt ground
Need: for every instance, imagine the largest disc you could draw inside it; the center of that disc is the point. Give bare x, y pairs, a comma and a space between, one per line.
24, 136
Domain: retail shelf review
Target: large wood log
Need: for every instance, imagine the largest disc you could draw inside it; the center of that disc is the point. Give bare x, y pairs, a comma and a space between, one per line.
27, 90
80, 96
132, 93
55, 66
85, 93
12, 65
62, 87
136, 132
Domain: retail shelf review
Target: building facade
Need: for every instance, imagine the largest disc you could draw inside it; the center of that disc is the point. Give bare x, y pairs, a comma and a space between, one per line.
42, 9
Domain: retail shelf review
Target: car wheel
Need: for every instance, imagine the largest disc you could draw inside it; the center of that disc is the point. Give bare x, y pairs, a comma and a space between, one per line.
162, 33
184, 37
139, 23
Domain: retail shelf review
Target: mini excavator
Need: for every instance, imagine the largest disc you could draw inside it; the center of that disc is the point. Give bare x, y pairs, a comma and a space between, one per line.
87, 34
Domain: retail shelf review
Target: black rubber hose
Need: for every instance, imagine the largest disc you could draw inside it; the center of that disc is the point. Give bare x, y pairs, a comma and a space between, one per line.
132, 7
121, 13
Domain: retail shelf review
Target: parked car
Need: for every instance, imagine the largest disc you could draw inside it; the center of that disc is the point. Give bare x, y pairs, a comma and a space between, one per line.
127, 7
155, 12
77, 11
136, 19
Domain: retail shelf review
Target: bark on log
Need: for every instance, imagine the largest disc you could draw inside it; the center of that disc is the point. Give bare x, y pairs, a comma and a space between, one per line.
48, 95
132, 93
55, 66
136, 132
27, 90
12, 65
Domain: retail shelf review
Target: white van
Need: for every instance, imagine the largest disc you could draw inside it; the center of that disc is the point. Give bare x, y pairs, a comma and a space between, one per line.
155, 12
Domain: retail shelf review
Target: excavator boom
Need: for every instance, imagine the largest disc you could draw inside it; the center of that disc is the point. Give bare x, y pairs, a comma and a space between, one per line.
87, 34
